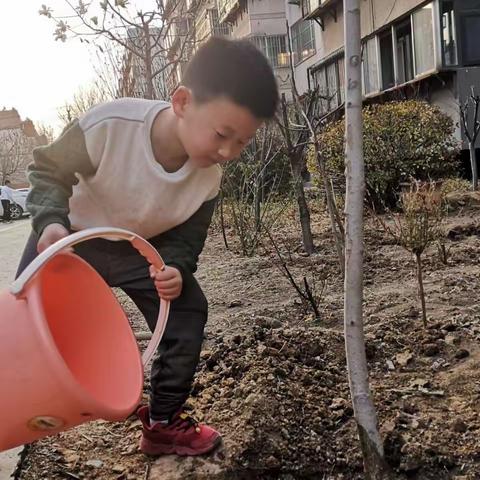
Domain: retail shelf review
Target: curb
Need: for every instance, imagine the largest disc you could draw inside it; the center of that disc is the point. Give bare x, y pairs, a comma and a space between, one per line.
10, 461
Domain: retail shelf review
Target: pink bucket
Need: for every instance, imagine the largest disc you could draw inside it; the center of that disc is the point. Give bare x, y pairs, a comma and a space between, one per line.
68, 354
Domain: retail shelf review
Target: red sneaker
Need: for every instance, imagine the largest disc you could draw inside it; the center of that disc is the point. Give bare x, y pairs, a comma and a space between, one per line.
183, 435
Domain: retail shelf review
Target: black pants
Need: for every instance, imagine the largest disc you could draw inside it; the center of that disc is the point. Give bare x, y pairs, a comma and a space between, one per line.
6, 210
174, 366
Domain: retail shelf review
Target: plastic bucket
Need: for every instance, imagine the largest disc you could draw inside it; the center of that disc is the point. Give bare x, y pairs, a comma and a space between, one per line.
67, 352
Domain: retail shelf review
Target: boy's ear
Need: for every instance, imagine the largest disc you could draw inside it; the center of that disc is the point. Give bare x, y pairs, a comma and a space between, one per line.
182, 97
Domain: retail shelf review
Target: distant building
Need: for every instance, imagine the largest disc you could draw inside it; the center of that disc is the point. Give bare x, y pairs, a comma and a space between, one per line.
207, 23
18, 138
135, 74
179, 38
264, 23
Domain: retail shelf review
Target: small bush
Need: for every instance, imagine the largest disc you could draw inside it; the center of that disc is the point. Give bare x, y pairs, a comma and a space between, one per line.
455, 184
402, 140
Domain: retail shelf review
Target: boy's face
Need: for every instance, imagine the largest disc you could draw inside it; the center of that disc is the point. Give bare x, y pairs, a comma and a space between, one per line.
215, 131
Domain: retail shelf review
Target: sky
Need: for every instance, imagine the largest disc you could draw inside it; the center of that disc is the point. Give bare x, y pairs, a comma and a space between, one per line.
37, 73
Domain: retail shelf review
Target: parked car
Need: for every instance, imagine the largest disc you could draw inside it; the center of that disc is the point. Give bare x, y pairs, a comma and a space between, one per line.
18, 209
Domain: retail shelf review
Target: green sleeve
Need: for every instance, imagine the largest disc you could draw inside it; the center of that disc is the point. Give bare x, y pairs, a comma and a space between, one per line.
52, 176
181, 246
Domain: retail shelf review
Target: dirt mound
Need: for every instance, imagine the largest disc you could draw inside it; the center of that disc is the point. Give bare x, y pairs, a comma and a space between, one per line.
280, 397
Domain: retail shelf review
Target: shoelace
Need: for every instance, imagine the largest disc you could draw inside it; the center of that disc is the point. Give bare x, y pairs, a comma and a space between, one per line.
184, 422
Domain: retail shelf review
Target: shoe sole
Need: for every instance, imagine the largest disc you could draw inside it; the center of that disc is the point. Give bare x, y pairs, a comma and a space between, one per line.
156, 449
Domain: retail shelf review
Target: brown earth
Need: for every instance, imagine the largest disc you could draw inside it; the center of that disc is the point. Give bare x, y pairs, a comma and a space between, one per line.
273, 379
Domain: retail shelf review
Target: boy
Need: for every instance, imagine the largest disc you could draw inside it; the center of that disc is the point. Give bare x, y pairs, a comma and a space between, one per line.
6, 197
154, 168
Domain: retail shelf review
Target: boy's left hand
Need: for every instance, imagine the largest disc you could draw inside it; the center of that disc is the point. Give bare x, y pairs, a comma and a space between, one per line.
168, 282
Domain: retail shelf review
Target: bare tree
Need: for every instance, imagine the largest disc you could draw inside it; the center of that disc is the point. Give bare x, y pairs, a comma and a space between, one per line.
417, 227
471, 129
83, 100
363, 406
309, 288
45, 131
15, 147
250, 190
336, 222
296, 137
153, 41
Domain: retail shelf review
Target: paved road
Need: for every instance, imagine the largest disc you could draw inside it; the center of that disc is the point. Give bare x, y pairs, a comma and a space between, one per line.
12, 240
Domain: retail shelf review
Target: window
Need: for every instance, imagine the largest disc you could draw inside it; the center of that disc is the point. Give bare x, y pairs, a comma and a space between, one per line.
341, 78
305, 7
403, 32
330, 81
423, 39
470, 26
181, 26
218, 29
386, 59
332, 85
303, 40
370, 66
274, 47
320, 82
449, 36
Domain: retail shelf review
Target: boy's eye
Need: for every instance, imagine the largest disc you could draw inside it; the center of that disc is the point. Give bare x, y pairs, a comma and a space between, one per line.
220, 135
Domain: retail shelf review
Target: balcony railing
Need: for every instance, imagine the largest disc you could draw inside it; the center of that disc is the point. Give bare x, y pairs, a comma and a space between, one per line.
318, 8
226, 8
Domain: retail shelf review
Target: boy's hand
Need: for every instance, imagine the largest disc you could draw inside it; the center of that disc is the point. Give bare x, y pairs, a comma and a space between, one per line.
168, 282
50, 234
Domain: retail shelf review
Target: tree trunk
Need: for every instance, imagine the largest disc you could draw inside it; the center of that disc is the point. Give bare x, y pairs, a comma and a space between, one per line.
363, 406
421, 291
473, 162
335, 222
303, 211
294, 156
150, 93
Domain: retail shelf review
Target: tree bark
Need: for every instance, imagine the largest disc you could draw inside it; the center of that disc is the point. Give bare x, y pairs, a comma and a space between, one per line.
364, 409
421, 291
335, 221
295, 157
303, 210
473, 161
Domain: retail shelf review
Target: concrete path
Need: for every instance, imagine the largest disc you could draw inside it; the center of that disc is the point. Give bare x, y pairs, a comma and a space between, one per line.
12, 240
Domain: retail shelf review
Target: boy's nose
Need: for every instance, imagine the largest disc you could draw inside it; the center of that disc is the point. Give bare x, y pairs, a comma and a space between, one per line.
225, 153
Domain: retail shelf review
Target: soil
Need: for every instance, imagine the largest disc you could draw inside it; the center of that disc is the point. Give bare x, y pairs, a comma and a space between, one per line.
273, 377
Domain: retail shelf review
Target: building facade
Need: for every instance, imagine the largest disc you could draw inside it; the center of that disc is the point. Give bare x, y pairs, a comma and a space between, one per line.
264, 23
410, 49
143, 73
18, 138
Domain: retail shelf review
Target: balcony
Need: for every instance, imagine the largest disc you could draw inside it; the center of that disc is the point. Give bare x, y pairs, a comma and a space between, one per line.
227, 9
317, 9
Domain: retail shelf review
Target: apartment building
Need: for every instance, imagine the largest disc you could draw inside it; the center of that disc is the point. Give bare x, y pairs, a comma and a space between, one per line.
264, 23
207, 23
411, 48
143, 75
178, 38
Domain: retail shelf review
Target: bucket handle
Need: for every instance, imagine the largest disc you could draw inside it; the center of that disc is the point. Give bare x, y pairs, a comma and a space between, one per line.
145, 249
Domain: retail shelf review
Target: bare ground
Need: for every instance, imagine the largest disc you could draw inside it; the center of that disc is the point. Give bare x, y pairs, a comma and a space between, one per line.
273, 379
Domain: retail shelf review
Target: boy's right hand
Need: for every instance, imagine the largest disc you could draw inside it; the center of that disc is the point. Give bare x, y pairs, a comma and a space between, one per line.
51, 233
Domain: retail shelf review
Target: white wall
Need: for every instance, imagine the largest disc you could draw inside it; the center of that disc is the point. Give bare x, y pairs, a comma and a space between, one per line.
446, 101
267, 17
264, 17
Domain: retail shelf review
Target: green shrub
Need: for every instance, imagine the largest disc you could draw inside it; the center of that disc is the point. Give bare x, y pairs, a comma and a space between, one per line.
402, 140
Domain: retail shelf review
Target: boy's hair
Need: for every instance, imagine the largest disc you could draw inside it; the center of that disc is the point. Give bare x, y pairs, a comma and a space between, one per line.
235, 69
7, 182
